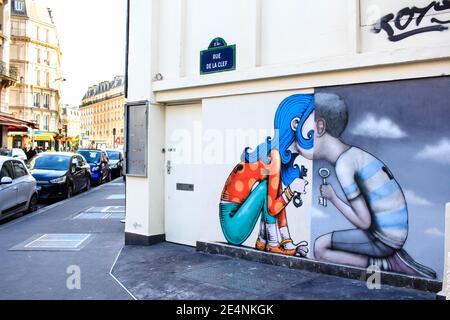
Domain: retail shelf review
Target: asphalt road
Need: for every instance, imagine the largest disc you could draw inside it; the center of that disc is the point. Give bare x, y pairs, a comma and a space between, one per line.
45, 274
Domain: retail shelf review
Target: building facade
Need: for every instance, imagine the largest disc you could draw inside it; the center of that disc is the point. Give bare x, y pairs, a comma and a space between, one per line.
36, 54
258, 102
8, 75
102, 116
71, 120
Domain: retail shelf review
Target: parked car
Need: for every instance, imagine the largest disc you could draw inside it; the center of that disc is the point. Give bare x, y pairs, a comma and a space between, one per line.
18, 191
99, 162
14, 153
60, 175
115, 162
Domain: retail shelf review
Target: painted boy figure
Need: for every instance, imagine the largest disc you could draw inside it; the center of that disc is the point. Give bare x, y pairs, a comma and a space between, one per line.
375, 205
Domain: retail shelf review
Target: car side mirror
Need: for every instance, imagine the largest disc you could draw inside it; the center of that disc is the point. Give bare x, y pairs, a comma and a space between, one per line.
6, 180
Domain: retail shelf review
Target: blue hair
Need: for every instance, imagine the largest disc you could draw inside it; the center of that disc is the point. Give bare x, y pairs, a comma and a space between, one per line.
296, 106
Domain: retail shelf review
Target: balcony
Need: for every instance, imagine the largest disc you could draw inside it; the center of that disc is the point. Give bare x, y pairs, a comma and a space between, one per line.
8, 74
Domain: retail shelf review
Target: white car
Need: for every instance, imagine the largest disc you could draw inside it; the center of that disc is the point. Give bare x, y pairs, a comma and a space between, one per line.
18, 191
14, 153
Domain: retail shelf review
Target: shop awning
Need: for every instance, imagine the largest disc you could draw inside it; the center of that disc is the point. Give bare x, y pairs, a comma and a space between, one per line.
44, 136
14, 123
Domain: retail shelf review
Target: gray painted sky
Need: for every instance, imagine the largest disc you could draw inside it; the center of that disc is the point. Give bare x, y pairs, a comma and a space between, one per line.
405, 124
92, 37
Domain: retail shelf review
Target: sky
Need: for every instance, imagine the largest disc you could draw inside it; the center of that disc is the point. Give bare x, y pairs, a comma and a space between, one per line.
92, 39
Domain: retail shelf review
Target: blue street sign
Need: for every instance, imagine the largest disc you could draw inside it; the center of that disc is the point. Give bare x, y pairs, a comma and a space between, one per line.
218, 57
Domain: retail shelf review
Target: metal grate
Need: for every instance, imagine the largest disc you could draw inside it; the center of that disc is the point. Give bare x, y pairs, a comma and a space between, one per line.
99, 213
56, 242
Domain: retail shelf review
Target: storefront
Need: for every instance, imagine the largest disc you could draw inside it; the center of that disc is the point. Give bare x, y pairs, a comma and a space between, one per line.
13, 131
237, 113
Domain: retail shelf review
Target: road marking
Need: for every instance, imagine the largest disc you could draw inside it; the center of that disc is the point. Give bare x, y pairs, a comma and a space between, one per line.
116, 197
117, 280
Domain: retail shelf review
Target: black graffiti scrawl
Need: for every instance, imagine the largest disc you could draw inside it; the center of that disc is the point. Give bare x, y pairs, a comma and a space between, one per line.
394, 25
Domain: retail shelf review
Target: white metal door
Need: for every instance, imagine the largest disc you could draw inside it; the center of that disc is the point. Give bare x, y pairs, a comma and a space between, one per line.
183, 173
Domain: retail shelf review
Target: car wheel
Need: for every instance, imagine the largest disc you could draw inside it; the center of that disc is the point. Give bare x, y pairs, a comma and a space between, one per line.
69, 193
32, 207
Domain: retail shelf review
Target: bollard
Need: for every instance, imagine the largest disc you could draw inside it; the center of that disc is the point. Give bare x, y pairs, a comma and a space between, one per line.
445, 293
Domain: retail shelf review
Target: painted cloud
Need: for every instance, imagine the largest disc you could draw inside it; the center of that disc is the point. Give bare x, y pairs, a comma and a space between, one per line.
413, 198
434, 232
374, 127
439, 152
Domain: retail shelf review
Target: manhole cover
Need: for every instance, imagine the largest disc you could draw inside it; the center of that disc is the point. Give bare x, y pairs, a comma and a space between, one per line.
98, 213
116, 197
54, 242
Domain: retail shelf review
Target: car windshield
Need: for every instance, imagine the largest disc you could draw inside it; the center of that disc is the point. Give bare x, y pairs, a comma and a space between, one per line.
4, 152
113, 155
51, 162
91, 156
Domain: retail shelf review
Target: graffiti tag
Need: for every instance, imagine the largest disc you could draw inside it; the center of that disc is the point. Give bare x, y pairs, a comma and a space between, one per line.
405, 16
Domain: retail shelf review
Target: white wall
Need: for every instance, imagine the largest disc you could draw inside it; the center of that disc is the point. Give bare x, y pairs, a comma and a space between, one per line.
236, 123
280, 33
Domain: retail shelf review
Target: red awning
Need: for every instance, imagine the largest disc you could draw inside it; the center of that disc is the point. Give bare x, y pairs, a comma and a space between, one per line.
10, 121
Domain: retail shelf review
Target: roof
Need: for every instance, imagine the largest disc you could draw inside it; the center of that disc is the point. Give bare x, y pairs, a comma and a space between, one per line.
32, 10
8, 120
104, 87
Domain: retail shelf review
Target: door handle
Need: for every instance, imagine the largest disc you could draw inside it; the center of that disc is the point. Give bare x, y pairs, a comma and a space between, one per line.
169, 167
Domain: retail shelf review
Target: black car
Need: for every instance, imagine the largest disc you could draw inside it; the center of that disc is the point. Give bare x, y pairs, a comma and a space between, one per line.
99, 162
115, 162
60, 175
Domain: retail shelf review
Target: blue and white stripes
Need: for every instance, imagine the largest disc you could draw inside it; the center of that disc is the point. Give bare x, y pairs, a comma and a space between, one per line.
360, 173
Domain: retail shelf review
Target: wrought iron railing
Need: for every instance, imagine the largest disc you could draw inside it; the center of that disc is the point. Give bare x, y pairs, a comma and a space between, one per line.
8, 71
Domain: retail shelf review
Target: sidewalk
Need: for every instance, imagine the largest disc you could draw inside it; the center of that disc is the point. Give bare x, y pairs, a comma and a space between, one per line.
43, 274
163, 271
169, 271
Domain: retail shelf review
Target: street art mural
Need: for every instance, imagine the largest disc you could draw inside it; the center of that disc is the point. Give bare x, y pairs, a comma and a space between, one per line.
267, 180
380, 152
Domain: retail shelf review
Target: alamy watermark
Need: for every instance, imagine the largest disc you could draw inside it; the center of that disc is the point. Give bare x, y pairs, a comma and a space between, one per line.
73, 282
373, 280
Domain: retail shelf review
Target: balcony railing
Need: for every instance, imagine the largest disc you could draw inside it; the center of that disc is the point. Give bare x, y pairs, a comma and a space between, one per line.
8, 71
19, 32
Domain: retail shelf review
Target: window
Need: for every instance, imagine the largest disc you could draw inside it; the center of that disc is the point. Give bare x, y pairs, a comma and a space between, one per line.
48, 58
38, 55
46, 101
19, 5
46, 123
6, 170
38, 33
38, 78
37, 100
19, 169
47, 79
47, 36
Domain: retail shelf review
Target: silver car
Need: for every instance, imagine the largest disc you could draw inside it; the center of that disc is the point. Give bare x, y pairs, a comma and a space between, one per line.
17, 188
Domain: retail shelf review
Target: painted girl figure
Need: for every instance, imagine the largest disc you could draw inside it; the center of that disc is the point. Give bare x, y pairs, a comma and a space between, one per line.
268, 180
